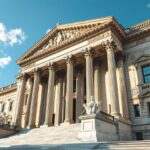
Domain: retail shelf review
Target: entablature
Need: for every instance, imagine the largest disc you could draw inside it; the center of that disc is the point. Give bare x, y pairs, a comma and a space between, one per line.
63, 37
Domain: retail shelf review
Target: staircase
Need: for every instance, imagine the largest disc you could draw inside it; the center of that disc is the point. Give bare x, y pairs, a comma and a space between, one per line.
63, 138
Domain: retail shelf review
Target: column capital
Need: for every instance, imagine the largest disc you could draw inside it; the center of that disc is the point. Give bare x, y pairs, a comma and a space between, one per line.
35, 70
109, 45
88, 51
70, 59
52, 66
22, 76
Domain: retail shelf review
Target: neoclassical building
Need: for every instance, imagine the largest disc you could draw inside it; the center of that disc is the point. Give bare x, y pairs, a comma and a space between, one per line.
75, 63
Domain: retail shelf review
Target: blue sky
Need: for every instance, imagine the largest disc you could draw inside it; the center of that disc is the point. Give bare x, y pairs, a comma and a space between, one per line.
24, 22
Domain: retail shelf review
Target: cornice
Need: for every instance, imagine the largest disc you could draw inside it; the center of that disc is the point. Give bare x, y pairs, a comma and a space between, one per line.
8, 88
138, 31
93, 27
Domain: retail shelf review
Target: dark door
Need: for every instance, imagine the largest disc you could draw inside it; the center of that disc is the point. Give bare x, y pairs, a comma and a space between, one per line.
74, 110
139, 136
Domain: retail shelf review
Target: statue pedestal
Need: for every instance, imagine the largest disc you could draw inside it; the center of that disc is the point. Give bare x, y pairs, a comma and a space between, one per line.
98, 127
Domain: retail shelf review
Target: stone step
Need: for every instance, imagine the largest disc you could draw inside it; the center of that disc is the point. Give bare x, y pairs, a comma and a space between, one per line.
63, 138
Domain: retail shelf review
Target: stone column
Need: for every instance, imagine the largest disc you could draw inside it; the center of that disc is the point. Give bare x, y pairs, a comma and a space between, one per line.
112, 79
33, 107
45, 86
78, 92
28, 102
50, 97
97, 84
89, 75
20, 100
69, 92
0, 107
39, 105
122, 88
82, 88
64, 97
59, 92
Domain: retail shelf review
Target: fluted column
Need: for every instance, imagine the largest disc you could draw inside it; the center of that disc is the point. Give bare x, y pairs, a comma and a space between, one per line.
63, 97
20, 100
122, 88
33, 107
43, 107
78, 92
89, 75
97, 84
0, 107
50, 97
39, 104
112, 79
69, 92
29, 102
59, 92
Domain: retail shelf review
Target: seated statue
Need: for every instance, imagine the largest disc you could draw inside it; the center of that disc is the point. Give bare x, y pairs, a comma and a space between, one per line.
92, 107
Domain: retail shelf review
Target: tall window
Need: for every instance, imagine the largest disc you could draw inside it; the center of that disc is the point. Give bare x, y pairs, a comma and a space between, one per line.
148, 107
11, 106
137, 110
3, 108
146, 74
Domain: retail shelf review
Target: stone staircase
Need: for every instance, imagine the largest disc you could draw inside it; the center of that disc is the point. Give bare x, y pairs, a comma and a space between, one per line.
63, 138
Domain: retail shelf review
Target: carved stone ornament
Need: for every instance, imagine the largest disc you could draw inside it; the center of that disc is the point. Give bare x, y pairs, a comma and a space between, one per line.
5, 119
91, 107
109, 45
57, 39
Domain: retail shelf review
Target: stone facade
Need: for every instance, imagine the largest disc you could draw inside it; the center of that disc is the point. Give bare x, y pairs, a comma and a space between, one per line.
75, 63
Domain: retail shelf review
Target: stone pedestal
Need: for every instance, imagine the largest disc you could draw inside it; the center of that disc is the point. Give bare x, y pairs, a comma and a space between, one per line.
97, 127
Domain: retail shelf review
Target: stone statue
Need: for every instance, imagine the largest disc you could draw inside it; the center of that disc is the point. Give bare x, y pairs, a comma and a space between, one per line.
59, 38
91, 107
50, 43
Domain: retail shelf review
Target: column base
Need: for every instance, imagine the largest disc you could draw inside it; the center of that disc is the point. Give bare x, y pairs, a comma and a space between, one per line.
48, 125
116, 114
67, 123
31, 126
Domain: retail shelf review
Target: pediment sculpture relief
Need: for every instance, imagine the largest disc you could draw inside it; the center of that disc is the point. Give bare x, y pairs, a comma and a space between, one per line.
58, 39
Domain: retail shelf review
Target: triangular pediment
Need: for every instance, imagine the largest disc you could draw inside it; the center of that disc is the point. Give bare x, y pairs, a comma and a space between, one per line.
146, 94
142, 58
62, 35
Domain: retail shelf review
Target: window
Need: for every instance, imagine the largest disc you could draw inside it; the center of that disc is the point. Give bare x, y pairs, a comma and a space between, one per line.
11, 106
146, 74
137, 110
148, 108
139, 136
3, 108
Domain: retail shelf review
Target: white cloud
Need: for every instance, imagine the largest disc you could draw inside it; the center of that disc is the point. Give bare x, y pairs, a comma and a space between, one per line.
148, 5
4, 61
48, 30
11, 37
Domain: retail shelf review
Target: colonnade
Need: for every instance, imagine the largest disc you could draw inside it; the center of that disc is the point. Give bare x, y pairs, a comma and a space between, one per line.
93, 90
